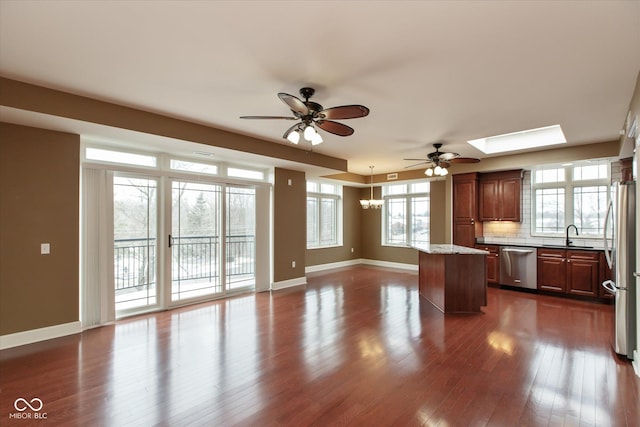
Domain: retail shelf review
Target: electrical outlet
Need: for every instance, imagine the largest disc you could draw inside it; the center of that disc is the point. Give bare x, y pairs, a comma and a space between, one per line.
293, 264
351, 250
45, 248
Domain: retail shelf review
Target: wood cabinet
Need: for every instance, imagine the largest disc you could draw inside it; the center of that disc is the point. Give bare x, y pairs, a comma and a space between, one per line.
500, 196
582, 273
466, 227
574, 272
626, 169
552, 274
493, 263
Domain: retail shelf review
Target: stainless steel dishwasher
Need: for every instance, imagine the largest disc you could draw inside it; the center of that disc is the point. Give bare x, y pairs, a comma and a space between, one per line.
518, 267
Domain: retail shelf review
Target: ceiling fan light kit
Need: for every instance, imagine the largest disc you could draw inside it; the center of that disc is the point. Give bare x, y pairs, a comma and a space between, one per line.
439, 161
311, 114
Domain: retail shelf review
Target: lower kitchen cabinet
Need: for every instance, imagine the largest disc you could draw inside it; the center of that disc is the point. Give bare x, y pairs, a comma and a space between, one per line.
573, 272
493, 263
552, 269
582, 273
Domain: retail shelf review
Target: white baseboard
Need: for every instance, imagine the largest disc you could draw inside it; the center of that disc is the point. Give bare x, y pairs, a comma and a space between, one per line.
41, 334
298, 281
330, 265
349, 263
636, 362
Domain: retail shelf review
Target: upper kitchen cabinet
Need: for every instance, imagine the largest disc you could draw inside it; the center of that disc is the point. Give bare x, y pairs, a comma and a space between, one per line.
466, 227
500, 196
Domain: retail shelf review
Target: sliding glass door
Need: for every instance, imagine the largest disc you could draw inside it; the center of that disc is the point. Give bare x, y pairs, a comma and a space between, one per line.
212, 239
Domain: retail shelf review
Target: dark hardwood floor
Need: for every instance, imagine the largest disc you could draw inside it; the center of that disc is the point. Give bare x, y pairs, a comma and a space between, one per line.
356, 347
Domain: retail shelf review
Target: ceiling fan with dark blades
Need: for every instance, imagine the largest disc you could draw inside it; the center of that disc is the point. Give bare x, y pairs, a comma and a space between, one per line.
311, 114
439, 161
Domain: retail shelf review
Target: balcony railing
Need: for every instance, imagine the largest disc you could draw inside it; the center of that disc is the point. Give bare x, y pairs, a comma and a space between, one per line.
193, 258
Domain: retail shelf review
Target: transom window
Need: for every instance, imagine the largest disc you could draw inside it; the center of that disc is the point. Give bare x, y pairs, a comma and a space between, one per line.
570, 194
324, 207
406, 214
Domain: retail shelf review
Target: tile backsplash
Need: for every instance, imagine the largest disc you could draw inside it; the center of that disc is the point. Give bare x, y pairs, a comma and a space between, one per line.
519, 233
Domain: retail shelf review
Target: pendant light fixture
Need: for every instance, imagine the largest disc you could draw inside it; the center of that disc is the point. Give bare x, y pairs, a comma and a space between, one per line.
371, 203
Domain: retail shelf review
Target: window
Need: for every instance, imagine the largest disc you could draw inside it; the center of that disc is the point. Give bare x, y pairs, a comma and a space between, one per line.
187, 166
245, 173
323, 214
406, 214
111, 156
570, 194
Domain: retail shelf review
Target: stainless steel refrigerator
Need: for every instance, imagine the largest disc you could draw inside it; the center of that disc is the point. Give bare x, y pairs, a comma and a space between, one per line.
620, 250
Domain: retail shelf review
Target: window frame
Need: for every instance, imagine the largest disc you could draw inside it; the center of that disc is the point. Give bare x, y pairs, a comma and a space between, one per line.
408, 196
337, 198
569, 185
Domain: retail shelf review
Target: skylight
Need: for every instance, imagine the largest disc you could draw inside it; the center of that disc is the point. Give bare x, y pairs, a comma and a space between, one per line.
533, 138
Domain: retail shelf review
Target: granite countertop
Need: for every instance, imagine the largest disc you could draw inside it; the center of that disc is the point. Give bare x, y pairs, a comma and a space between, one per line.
445, 249
545, 245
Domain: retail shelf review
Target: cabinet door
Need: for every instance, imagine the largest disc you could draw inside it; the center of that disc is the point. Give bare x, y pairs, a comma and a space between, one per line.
489, 200
582, 277
510, 200
552, 274
493, 262
464, 234
464, 200
493, 268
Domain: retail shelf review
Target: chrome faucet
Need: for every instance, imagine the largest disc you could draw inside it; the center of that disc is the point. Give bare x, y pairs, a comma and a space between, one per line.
568, 242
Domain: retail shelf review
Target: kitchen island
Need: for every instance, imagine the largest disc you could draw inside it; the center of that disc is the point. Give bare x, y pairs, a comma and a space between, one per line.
453, 278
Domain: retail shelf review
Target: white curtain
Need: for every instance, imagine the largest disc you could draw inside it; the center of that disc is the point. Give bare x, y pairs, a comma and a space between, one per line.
97, 295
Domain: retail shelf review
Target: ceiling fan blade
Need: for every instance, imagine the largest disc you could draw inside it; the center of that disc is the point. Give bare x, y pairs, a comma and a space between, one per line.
344, 112
448, 156
417, 160
295, 103
335, 127
417, 164
464, 160
269, 117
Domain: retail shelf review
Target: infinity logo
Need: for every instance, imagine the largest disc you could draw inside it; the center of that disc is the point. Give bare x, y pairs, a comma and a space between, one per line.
21, 404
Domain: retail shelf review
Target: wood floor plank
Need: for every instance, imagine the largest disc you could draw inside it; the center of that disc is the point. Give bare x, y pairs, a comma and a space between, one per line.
355, 346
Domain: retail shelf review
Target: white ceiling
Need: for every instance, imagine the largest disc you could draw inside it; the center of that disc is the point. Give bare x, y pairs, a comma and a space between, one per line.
428, 70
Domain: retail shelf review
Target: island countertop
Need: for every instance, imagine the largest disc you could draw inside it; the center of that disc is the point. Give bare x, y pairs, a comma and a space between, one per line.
448, 249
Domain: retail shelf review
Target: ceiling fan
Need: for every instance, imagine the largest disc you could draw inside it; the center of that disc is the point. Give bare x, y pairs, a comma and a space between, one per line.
439, 161
311, 114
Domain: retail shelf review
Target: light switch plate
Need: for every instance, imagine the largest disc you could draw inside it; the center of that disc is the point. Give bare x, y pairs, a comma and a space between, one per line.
45, 248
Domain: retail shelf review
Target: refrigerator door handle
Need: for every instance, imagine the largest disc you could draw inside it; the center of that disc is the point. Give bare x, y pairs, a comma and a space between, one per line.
607, 249
610, 286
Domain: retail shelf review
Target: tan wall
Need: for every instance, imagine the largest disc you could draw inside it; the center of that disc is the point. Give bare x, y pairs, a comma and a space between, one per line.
39, 203
289, 224
351, 233
439, 213
29, 97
